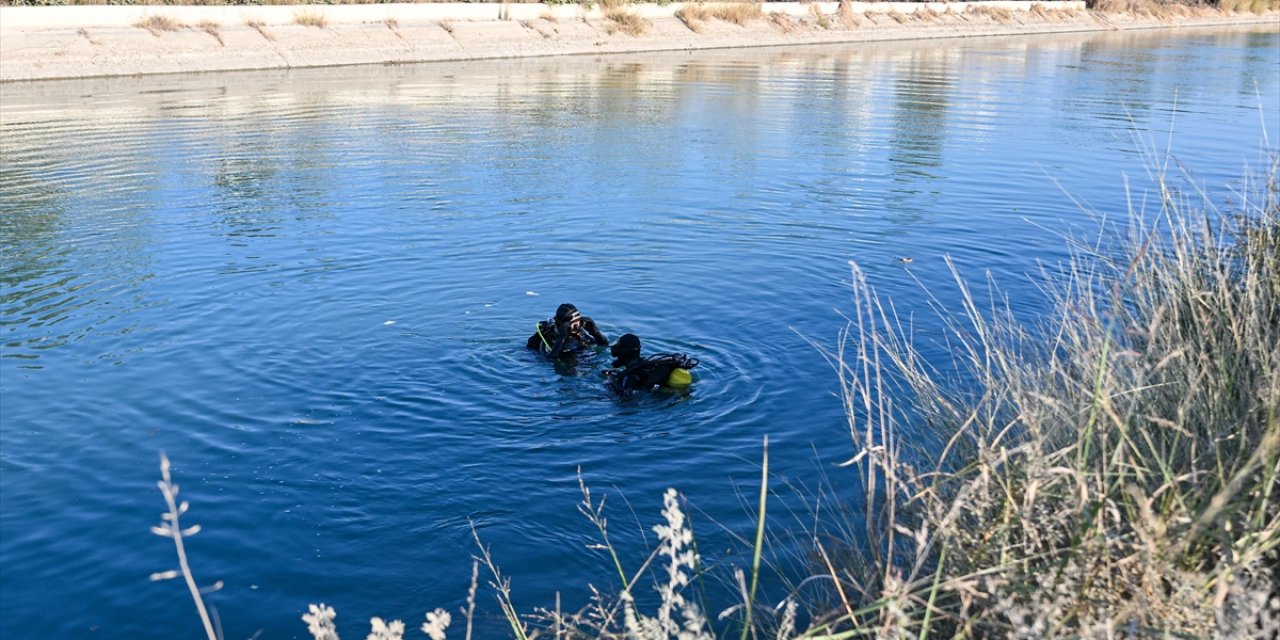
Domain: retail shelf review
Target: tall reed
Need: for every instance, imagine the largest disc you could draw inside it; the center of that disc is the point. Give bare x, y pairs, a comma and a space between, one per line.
1113, 468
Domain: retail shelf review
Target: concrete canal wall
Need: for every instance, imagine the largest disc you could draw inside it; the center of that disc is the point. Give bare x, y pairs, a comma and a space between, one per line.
87, 41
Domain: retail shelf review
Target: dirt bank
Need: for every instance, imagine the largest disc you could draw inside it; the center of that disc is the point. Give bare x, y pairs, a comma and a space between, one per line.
68, 42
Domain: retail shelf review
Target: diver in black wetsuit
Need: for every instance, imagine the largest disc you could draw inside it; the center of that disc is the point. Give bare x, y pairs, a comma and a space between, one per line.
633, 373
568, 332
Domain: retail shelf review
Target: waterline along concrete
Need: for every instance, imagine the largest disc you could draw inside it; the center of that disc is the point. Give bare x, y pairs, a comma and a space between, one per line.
85, 41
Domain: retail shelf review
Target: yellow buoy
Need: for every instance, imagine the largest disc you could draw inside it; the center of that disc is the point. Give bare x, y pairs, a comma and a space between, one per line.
679, 378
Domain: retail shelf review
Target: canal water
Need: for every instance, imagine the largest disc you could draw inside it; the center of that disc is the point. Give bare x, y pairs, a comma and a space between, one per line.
312, 290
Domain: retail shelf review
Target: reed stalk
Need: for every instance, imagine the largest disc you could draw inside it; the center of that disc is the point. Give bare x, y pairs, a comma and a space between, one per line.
171, 527
759, 542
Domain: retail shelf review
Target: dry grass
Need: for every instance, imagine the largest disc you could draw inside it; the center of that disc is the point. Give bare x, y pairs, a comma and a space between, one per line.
621, 19
821, 19
84, 33
1139, 8
897, 16
678, 610
158, 24
782, 21
260, 27
315, 19
1233, 6
1172, 9
533, 26
739, 13
212, 28
998, 14
1115, 468
927, 14
394, 26
214, 2
694, 16
848, 17
1046, 14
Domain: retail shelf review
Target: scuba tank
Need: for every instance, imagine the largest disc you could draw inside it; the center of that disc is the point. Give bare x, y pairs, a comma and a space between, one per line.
679, 378
667, 370
634, 373
679, 375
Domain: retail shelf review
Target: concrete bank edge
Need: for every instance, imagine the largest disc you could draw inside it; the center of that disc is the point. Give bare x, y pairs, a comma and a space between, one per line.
87, 16
46, 43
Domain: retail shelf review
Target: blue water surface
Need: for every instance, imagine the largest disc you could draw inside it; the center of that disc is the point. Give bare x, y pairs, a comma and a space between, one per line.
312, 288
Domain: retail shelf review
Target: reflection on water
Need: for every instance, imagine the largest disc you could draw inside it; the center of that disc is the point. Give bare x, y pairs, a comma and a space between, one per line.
311, 288
62, 284
922, 101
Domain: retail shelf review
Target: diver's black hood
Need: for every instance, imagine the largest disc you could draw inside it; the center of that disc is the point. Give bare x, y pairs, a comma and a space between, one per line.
565, 313
626, 349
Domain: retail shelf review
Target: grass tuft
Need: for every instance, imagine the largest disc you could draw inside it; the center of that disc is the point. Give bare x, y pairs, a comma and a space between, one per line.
260, 27
998, 14
621, 19
1173, 9
694, 16
823, 20
158, 24
739, 13
311, 19
782, 21
212, 28
84, 33
1249, 6
849, 17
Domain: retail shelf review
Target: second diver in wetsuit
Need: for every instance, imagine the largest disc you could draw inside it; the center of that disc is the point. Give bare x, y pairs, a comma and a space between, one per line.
631, 372
568, 332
